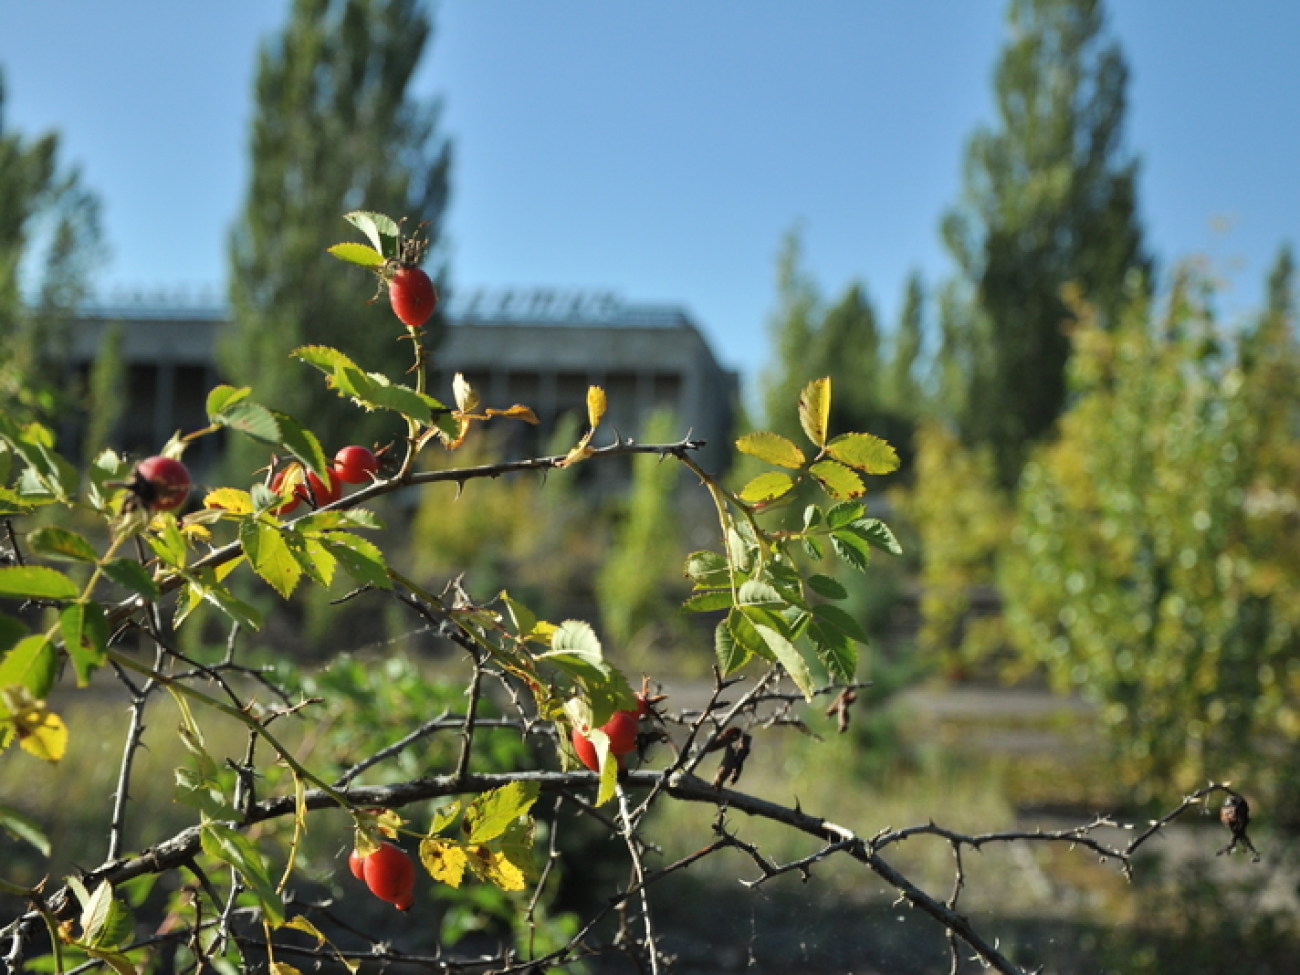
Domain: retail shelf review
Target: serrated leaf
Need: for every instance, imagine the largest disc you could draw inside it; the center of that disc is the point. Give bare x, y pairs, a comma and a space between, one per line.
708, 601
878, 534
865, 451
595, 406
835, 649
252, 419
771, 448
835, 616
203, 587
31, 664
815, 410
131, 575
44, 735
229, 499
731, 655
767, 487
708, 570
354, 253
838, 481
24, 828
36, 582
489, 814
827, 587
854, 550
270, 556
577, 637
446, 861
223, 397
753, 592
844, 513
359, 558
59, 543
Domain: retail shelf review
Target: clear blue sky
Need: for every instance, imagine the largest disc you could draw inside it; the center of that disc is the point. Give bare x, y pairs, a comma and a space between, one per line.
661, 149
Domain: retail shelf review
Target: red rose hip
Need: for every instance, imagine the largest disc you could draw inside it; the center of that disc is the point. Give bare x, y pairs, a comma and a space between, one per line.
355, 464
390, 875
412, 295
161, 483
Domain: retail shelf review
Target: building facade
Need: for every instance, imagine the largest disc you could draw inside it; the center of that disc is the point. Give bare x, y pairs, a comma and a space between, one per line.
537, 347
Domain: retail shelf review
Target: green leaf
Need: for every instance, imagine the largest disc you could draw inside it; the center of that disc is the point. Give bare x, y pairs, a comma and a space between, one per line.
838, 481
270, 556
36, 582
767, 487
355, 253
835, 616
32, 663
852, 548
85, 635
360, 559
815, 410
835, 649
201, 793
708, 570
222, 397
376, 226
59, 543
302, 443
788, 655
11, 631
131, 575
865, 451
730, 654
708, 601
236, 849
843, 514
772, 448
312, 557
202, 587
252, 419
577, 637
24, 828
491, 813
827, 587
877, 533
752, 592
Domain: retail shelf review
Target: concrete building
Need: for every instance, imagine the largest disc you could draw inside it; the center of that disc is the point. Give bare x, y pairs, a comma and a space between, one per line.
538, 347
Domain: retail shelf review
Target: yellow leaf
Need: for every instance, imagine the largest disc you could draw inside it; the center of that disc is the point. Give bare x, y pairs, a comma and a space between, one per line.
578, 453
815, 410
772, 448
518, 411
229, 499
595, 405
766, 487
283, 968
444, 860
495, 868
837, 480
865, 451
43, 734
300, 923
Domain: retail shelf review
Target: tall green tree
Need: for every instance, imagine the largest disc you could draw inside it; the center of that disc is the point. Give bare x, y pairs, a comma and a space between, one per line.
336, 128
900, 384
49, 243
1049, 200
793, 323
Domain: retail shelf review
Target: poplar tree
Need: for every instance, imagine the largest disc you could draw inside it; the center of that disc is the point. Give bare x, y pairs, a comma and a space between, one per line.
49, 230
337, 127
1049, 200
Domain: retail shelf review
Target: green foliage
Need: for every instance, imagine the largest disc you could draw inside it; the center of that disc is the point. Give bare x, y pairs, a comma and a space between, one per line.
1153, 566
1050, 199
49, 242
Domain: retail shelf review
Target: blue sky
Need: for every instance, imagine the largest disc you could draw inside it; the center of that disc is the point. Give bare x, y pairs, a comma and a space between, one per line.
661, 149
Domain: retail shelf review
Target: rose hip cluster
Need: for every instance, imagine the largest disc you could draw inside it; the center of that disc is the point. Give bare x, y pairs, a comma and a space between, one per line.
352, 465
388, 872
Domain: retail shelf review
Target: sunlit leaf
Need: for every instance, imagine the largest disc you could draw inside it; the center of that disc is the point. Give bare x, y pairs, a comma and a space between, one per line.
270, 556
59, 543
376, 226
463, 394
24, 828
517, 412
31, 664
815, 410
85, 635
489, 814
494, 867
864, 451
595, 406
788, 655
359, 558
767, 487
250, 418
42, 733
36, 582
445, 860
229, 499
234, 848
223, 397
731, 655
771, 448
355, 253
837, 480
132, 576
